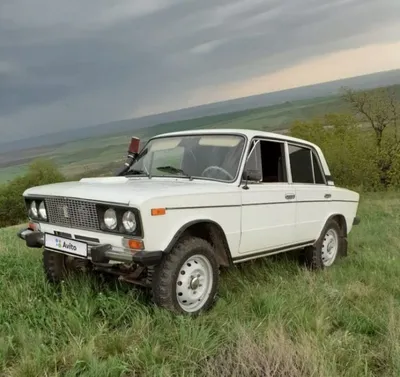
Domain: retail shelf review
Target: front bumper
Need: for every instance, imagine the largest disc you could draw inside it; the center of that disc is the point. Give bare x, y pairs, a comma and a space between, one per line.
102, 253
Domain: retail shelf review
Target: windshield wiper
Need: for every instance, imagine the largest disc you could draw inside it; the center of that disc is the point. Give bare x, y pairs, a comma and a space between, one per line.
173, 170
137, 172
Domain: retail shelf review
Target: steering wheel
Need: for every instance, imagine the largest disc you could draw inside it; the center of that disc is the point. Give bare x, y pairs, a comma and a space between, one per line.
219, 169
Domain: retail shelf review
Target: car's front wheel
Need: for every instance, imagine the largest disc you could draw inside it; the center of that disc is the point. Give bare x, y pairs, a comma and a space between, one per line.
58, 266
55, 266
186, 281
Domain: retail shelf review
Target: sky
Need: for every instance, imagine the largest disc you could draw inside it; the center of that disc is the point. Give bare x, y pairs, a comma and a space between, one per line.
70, 64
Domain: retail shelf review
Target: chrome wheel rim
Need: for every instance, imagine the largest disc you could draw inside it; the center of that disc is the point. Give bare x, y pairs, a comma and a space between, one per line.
330, 246
194, 283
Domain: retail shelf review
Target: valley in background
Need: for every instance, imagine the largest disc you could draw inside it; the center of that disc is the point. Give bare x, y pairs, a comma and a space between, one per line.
99, 150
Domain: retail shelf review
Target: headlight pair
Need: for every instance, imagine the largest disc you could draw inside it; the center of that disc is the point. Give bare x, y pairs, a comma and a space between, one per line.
128, 220
37, 210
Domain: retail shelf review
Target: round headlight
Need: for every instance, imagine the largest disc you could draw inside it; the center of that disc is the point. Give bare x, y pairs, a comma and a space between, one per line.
42, 211
110, 219
129, 221
34, 211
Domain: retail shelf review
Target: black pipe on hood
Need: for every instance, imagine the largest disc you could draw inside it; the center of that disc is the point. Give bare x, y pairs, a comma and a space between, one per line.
133, 152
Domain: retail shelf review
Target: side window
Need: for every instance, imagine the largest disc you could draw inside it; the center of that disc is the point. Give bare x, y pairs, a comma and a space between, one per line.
301, 166
319, 178
268, 160
254, 162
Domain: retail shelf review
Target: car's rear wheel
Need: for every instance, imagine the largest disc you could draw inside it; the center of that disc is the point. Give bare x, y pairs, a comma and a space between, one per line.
330, 247
186, 281
327, 249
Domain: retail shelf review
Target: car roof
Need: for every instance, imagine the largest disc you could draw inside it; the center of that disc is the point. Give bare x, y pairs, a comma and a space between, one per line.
250, 133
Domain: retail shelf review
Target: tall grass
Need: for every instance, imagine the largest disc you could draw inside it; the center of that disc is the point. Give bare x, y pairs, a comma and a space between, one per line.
272, 318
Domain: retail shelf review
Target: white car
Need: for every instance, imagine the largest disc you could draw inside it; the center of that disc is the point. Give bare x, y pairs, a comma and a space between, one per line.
189, 203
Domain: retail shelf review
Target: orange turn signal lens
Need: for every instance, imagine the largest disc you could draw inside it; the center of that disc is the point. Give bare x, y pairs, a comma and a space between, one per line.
32, 226
135, 244
158, 211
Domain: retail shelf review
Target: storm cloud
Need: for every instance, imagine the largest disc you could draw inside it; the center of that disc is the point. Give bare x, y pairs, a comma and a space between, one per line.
68, 64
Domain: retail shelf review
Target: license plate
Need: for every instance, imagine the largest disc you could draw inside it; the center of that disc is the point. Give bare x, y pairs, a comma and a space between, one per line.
66, 245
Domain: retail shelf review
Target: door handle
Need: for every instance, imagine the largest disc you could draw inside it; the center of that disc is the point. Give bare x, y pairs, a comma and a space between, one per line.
290, 196
327, 196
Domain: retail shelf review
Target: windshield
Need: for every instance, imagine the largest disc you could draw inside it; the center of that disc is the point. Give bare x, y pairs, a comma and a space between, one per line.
194, 156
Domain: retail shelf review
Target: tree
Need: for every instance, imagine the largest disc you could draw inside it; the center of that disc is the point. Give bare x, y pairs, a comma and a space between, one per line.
348, 149
379, 107
395, 109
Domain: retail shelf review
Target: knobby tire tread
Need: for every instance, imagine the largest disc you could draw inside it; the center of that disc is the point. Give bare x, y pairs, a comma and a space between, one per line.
165, 275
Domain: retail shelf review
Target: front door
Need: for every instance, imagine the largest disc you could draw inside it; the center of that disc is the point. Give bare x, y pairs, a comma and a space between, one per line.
268, 203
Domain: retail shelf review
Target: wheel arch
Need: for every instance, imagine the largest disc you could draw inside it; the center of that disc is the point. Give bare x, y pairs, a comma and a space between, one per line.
209, 230
340, 219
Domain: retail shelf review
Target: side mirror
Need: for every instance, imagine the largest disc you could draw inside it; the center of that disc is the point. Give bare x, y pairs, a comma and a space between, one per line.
252, 175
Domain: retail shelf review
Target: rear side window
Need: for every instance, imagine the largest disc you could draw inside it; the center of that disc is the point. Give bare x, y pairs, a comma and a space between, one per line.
319, 178
301, 165
305, 166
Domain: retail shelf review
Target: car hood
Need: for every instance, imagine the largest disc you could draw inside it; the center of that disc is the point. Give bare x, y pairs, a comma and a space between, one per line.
131, 191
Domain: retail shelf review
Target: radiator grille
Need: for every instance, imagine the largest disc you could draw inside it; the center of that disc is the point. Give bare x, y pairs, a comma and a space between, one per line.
72, 213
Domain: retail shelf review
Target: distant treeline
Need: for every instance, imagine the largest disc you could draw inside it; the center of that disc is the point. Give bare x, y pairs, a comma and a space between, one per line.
362, 149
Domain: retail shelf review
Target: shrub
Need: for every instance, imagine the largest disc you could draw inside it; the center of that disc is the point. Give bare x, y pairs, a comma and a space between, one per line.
353, 157
12, 207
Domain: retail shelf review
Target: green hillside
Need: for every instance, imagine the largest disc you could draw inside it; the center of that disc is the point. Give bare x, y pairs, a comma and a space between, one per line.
104, 154
272, 318
92, 154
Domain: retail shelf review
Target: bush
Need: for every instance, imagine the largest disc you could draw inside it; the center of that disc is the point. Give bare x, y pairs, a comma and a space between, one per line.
12, 207
353, 157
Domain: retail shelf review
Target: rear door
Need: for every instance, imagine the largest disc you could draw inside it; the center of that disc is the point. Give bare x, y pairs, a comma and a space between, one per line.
313, 194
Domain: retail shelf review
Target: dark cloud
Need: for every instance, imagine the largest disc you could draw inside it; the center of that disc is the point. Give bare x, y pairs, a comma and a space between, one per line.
76, 63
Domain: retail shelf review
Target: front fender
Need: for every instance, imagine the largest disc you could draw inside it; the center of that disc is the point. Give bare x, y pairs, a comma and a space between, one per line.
163, 231
186, 226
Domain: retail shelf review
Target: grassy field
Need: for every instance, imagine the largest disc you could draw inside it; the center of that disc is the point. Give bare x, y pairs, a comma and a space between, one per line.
273, 318
78, 157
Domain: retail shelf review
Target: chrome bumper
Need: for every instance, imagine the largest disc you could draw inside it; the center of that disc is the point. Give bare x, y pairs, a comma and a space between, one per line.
102, 253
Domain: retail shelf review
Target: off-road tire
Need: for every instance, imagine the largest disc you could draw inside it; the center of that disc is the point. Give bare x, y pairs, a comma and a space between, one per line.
166, 274
312, 255
54, 265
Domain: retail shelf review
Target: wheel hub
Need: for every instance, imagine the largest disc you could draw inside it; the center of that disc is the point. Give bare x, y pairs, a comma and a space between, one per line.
194, 283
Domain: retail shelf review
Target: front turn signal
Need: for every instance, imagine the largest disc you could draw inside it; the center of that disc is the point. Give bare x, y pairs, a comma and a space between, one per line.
33, 226
158, 211
133, 244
